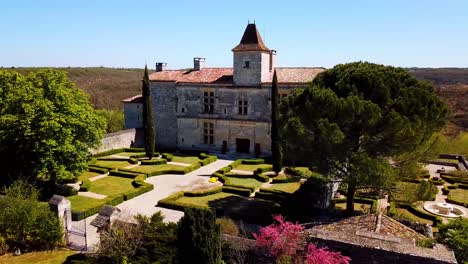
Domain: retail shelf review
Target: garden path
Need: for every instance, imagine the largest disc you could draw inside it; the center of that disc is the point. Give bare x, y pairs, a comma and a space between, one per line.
95, 178
242, 172
433, 168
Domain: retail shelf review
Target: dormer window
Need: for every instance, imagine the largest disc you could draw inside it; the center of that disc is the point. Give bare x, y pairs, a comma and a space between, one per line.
247, 64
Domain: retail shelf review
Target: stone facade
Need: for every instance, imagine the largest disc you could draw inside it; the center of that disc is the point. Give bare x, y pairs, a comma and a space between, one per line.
122, 139
133, 115
219, 109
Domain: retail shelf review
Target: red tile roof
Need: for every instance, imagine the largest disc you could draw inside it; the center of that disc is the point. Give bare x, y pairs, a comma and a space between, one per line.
225, 75
251, 40
137, 99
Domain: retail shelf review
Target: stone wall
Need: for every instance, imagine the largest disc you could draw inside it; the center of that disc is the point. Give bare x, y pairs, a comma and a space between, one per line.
165, 101
121, 139
133, 115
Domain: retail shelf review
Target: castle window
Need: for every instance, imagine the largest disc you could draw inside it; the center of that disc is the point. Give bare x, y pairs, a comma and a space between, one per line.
183, 110
208, 133
243, 107
247, 64
208, 102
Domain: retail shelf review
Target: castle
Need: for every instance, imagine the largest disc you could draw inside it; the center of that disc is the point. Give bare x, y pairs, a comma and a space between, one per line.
219, 109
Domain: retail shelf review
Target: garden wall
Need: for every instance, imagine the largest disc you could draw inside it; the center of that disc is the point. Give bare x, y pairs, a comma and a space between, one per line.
120, 139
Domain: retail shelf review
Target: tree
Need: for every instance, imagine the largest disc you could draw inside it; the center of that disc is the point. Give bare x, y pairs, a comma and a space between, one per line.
25, 223
275, 141
199, 237
148, 121
355, 116
47, 127
284, 241
455, 235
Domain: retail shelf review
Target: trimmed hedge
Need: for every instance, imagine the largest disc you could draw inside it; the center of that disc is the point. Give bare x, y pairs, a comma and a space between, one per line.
99, 166
113, 159
111, 200
261, 177
241, 186
207, 160
252, 161
142, 155
445, 190
167, 156
191, 168
438, 182
109, 152
85, 185
235, 190
145, 187
204, 193
263, 170
224, 170
139, 180
453, 179
133, 160
275, 197
286, 180
98, 170
125, 174
134, 150
153, 162
169, 202
419, 213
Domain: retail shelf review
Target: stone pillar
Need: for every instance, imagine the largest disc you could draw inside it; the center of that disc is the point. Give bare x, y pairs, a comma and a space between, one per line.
62, 207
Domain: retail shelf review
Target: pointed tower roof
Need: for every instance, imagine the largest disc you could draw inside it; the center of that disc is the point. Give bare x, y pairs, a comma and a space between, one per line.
251, 40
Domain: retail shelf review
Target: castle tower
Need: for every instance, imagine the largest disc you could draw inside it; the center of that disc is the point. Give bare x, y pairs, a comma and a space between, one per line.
253, 61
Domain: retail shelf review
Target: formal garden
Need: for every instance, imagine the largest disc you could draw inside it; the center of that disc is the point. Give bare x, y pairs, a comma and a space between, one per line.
119, 175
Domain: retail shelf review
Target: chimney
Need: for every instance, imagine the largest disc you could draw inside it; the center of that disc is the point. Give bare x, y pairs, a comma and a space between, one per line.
161, 66
198, 63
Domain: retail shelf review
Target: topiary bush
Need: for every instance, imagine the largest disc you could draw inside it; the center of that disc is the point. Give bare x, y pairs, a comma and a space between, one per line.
167, 156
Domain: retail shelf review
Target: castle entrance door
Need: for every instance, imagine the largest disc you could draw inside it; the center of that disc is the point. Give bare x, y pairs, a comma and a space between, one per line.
242, 145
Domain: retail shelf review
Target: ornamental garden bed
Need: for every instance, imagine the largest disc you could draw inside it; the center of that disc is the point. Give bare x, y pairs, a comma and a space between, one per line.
155, 169
458, 196
286, 187
112, 164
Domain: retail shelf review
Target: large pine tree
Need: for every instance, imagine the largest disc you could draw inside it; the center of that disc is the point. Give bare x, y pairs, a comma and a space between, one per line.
275, 141
148, 121
199, 237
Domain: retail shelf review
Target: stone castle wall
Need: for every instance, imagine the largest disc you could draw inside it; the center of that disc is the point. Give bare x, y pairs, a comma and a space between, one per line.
133, 115
164, 100
122, 139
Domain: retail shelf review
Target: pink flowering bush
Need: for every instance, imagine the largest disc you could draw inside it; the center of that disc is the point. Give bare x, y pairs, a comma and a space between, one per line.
316, 255
284, 240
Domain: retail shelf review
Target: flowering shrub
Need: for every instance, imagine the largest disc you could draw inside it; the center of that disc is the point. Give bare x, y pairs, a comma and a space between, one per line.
283, 240
316, 255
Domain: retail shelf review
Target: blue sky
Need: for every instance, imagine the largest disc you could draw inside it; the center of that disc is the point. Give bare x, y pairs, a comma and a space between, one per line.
422, 33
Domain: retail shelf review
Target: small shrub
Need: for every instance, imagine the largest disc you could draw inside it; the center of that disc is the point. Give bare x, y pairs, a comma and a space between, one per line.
124, 173
3, 246
153, 162
236, 190
98, 170
228, 226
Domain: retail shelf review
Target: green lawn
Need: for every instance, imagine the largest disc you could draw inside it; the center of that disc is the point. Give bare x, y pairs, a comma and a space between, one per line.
251, 182
188, 159
42, 257
112, 164
129, 154
406, 192
80, 203
358, 207
459, 195
155, 168
286, 187
457, 145
112, 185
203, 200
87, 174
246, 167
405, 214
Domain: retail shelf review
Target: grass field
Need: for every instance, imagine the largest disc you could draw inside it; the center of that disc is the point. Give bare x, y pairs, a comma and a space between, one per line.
156, 168
459, 195
43, 257
245, 181
112, 164
457, 145
188, 159
203, 200
406, 191
246, 167
86, 175
358, 207
286, 187
405, 214
80, 203
111, 185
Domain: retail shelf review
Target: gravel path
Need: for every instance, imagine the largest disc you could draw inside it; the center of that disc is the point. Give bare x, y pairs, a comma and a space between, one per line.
242, 172
92, 195
179, 163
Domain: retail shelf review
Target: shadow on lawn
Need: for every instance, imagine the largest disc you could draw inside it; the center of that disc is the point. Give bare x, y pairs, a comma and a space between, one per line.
254, 211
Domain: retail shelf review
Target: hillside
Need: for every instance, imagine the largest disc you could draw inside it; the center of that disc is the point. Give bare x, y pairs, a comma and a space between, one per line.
107, 87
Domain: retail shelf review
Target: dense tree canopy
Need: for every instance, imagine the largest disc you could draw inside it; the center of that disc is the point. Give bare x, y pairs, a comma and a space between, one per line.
47, 126
355, 116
